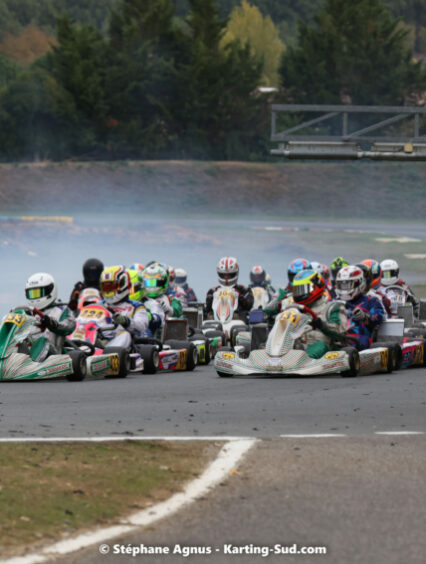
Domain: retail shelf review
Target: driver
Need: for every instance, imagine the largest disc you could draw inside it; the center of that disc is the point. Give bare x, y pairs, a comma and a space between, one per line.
390, 277
57, 322
364, 312
309, 289
275, 305
227, 274
259, 279
92, 270
130, 317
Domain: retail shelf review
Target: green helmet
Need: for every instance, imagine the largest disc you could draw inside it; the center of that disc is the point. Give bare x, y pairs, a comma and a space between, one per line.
336, 265
136, 284
155, 280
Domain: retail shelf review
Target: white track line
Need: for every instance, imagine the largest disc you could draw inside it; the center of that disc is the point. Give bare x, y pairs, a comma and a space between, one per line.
116, 438
229, 457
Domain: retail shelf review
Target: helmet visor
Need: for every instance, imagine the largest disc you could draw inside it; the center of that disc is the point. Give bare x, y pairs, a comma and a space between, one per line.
390, 274
302, 290
36, 293
110, 288
227, 275
345, 285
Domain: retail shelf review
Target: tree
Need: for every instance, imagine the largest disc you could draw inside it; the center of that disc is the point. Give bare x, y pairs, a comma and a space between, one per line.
353, 48
247, 24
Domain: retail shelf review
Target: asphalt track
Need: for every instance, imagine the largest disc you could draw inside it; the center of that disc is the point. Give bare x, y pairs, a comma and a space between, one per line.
359, 493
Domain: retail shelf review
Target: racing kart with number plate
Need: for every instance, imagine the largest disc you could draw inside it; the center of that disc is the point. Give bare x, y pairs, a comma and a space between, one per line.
225, 316
282, 357
17, 333
261, 297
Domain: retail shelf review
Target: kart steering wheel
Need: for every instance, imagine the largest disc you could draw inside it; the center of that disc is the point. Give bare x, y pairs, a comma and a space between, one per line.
26, 309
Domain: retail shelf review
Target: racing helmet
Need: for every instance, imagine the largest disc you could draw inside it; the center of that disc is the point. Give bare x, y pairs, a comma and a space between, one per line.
136, 284
336, 265
172, 276
155, 280
136, 266
257, 275
376, 272
92, 270
88, 296
227, 271
41, 290
181, 277
115, 284
367, 274
350, 283
308, 286
390, 272
296, 266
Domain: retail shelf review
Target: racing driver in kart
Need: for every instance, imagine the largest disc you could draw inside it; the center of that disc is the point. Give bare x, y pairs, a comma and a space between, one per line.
275, 305
131, 318
390, 277
309, 289
57, 320
365, 312
92, 270
227, 274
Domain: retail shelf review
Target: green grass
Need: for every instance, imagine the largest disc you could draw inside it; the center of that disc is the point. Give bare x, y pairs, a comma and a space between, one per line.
48, 490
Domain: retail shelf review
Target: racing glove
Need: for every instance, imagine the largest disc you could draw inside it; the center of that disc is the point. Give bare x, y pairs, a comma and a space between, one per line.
317, 323
50, 323
120, 319
360, 315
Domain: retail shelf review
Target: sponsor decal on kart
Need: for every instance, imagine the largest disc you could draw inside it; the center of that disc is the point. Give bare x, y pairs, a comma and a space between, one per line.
16, 318
290, 316
332, 355
224, 364
274, 364
228, 355
169, 360
384, 358
114, 360
182, 362
56, 368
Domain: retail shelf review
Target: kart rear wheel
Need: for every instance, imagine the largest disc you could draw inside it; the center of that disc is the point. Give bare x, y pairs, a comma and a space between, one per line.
191, 352
354, 363
79, 366
123, 359
394, 354
151, 358
208, 348
216, 333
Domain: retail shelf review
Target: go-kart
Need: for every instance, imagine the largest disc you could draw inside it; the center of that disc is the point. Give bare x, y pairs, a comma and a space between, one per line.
207, 340
282, 357
17, 333
261, 297
225, 316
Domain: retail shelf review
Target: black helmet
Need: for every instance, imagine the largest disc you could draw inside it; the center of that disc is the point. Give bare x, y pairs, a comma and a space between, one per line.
92, 270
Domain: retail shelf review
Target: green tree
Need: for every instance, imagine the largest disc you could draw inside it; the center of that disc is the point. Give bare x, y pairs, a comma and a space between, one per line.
247, 24
355, 49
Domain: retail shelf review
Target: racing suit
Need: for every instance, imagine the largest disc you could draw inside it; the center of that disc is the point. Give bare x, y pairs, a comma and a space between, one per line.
275, 304
177, 294
385, 301
57, 323
245, 299
411, 298
363, 329
190, 294
332, 320
134, 323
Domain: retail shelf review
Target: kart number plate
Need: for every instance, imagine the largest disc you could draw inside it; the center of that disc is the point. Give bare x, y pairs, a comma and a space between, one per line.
332, 355
93, 314
228, 355
290, 316
275, 362
114, 360
16, 318
226, 294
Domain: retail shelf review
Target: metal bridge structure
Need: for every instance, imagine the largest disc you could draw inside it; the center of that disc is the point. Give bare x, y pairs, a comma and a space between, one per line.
335, 132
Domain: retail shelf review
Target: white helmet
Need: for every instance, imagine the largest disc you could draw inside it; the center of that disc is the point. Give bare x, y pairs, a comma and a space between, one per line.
390, 272
181, 276
41, 290
227, 271
350, 283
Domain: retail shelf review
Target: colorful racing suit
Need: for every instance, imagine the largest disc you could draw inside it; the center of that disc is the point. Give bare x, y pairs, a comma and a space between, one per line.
363, 330
54, 327
333, 322
177, 296
139, 319
245, 299
385, 301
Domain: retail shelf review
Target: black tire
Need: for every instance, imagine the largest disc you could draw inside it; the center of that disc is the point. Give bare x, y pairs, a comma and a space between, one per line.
223, 374
235, 331
216, 325
79, 366
150, 356
191, 349
214, 333
354, 363
123, 359
394, 354
208, 348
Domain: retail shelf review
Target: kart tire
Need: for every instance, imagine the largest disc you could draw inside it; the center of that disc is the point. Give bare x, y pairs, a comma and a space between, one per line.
215, 333
123, 359
210, 324
354, 363
191, 349
151, 358
202, 337
394, 354
79, 366
235, 331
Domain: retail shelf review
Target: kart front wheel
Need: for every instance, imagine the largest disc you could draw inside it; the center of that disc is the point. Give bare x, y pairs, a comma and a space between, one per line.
151, 358
354, 363
79, 366
191, 352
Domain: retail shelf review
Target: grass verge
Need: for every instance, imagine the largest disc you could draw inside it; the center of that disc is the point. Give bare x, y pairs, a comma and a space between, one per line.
50, 491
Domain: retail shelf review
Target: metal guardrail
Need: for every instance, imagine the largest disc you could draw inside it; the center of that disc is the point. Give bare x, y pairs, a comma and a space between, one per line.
345, 144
